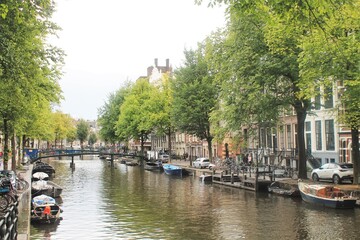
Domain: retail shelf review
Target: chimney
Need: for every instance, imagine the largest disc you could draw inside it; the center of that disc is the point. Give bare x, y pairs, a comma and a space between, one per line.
156, 62
167, 63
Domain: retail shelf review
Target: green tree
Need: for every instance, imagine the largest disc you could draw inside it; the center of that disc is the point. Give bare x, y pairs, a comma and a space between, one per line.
284, 26
29, 68
63, 127
194, 95
92, 139
133, 122
71, 136
109, 114
331, 56
160, 106
82, 131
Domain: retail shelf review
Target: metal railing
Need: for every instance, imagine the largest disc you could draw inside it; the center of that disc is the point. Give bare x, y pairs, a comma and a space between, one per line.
8, 223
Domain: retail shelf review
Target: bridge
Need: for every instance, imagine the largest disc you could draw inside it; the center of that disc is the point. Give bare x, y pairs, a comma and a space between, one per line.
37, 155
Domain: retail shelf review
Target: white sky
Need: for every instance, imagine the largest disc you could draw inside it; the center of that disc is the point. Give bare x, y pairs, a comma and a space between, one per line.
110, 41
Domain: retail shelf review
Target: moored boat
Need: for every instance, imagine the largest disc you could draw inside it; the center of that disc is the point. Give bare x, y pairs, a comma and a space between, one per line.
40, 176
44, 209
153, 166
46, 187
132, 163
170, 169
326, 196
43, 167
206, 178
284, 190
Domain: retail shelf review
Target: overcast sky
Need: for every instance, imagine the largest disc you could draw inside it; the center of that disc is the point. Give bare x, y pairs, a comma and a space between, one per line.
110, 41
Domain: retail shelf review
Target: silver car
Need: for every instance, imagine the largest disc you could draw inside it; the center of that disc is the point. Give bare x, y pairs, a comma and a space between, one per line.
336, 172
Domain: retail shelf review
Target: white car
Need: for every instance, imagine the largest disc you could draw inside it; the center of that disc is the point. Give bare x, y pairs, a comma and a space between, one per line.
336, 172
164, 158
201, 163
212, 166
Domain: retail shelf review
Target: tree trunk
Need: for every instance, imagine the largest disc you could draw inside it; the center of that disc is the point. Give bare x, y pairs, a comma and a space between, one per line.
209, 141
6, 144
13, 150
301, 116
355, 153
169, 143
23, 146
142, 140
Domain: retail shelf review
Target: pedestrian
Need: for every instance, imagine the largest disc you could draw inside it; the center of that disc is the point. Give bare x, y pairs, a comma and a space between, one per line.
245, 159
249, 159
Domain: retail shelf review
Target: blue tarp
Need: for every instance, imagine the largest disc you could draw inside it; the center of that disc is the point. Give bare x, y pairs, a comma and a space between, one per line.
32, 152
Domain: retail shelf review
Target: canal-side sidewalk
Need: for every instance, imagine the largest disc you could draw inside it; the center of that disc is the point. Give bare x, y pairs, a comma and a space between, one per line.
346, 187
24, 205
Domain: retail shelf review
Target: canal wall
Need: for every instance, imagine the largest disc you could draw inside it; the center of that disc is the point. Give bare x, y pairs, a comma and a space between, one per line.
24, 207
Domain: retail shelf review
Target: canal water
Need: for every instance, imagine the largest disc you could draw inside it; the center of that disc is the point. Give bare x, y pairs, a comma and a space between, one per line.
124, 202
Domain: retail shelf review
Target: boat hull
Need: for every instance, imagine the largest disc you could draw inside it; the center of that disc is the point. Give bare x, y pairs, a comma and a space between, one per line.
341, 203
153, 167
172, 170
280, 189
338, 203
37, 215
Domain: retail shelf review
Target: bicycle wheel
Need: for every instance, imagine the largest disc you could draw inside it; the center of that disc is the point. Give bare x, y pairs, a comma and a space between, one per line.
21, 185
11, 197
4, 203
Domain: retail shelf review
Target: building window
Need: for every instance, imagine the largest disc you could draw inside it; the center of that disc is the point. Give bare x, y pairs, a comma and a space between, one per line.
330, 136
317, 100
329, 97
262, 138
288, 136
308, 126
318, 135
281, 141
268, 138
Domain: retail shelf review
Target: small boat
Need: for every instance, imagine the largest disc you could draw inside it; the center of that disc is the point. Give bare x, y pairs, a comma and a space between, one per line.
284, 190
46, 187
44, 209
326, 196
43, 167
131, 163
153, 166
40, 176
206, 178
170, 169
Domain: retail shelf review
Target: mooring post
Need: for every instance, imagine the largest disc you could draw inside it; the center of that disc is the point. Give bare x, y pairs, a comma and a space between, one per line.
72, 164
257, 179
112, 160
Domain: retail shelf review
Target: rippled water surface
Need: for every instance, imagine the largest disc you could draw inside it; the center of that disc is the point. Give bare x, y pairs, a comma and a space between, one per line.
101, 202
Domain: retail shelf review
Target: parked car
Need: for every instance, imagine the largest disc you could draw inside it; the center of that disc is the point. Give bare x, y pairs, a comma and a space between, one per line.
211, 166
336, 172
164, 158
201, 163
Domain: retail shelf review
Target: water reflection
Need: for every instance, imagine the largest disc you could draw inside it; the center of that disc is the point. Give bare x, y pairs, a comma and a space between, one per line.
100, 202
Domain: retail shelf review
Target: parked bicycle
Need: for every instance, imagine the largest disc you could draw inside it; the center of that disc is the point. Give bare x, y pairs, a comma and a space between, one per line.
10, 184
